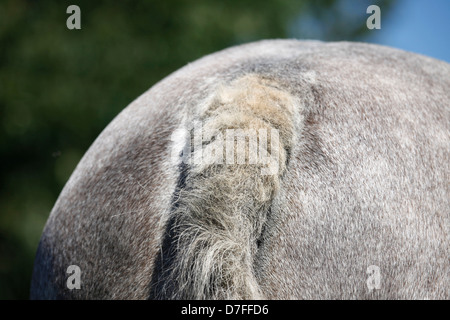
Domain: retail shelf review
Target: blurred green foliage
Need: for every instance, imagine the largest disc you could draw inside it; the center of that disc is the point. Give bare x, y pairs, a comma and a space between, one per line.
59, 88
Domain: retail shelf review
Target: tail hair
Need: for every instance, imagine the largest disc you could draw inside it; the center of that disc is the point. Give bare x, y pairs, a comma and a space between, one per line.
223, 203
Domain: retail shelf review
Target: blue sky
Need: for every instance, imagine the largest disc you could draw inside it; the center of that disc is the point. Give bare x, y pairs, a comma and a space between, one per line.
416, 25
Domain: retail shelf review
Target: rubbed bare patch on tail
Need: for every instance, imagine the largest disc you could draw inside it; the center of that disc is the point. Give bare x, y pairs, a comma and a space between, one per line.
230, 171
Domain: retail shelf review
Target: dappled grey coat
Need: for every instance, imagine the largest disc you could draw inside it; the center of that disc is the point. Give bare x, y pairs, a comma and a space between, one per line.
355, 202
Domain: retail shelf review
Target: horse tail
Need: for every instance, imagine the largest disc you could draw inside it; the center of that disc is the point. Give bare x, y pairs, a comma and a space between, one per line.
225, 191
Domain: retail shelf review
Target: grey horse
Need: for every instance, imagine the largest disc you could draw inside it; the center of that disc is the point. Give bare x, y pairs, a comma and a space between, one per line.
280, 169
